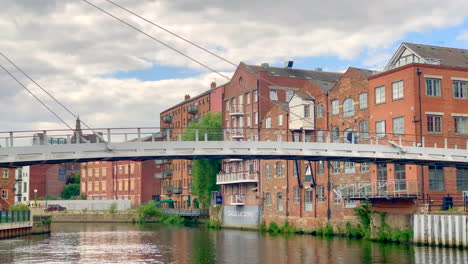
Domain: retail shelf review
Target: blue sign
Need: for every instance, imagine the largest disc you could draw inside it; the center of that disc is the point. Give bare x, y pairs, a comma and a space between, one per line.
62, 174
219, 199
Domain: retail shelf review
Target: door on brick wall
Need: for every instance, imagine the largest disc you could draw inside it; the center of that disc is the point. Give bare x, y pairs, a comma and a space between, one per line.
381, 178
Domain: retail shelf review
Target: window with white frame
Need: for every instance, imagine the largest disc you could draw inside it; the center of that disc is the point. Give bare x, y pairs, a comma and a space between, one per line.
255, 96
5, 173
399, 125
336, 167
335, 107
364, 130
461, 125
319, 110
434, 124
397, 90
321, 167
320, 135
335, 134
460, 90
433, 87
268, 199
462, 179
380, 95
336, 197
308, 200
380, 129
436, 178
348, 107
280, 120
349, 167
273, 94
279, 169
249, 121
296, 195
256, 118
363, 101
280, 201
365, 166
268, 122
307, 111
268, 171
320, 194
247, 98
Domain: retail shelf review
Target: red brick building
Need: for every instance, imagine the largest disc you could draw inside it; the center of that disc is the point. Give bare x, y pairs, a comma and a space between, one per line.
177, 182
50, 179
138, 181
7, 188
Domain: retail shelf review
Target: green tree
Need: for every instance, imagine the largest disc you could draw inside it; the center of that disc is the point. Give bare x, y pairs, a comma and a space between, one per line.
204, 170
74, 178
70, 191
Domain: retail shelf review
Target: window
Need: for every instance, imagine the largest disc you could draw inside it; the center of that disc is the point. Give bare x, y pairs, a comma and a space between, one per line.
256, 118
296, 195
249, 121
380, 95
349, 203
336, 167
436, 178
348, 107
462, 179
241, 81
364, 130
255, 95
336, 197
460, 90
268, 171
306, 110
280, 120
320, 194
319, 110
308, 200
400, 177
320, 135
308, 173
397, 90
461, 125
336, 134
364, 166
268, 199
433, 87
280, 202
380, 129
279, 169
268, 122
399, 125
434, 124
321, 167
289, 95
247, 98
349, 167
5, 173
295, 172
273, 94
363, 101
335, 107
25, 187
381, 172
4, 194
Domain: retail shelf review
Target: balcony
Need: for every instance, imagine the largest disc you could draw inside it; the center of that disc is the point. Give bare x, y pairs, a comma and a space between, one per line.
176, 190
238, 199
167, 119
192, 109
168, 189
237, 177
237, 133
399, 189
236, 110
166, 173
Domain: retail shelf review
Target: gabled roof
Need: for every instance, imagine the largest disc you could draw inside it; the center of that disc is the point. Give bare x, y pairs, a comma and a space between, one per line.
365, 72
304, 96
436, 55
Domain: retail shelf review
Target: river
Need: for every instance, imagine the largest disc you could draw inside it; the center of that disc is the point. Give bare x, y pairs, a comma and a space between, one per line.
152, 243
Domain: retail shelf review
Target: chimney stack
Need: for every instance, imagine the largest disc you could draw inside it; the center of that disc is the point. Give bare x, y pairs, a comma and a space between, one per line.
213, 85
288, 64
265, 65
187, 96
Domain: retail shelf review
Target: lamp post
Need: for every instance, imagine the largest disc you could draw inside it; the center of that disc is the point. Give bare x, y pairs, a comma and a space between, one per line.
35, 197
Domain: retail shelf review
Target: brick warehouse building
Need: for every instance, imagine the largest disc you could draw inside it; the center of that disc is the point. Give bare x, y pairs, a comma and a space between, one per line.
177, 182
137, 181
50, 179
7, 188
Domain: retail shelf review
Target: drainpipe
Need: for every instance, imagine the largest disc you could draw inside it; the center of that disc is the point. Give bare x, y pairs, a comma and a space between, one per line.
328, 167
287, 168
419, 72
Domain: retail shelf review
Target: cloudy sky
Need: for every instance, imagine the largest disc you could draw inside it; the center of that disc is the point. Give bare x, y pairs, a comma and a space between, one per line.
113, 76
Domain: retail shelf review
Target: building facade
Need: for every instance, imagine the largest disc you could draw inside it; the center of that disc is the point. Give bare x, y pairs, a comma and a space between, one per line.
50, 179
7, 188
22, 184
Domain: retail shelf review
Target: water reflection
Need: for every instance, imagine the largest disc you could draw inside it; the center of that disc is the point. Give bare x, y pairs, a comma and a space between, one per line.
125, 243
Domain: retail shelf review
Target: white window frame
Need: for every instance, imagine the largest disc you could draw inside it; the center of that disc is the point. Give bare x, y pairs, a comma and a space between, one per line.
280, 120
363, 104
397, 90
255, 96
5, 173
460, 89
247, 98
431, 122
273, 94
399, 125
268, 122
307, 111
335, 107
380, 95
436, 87
380, 130
348, 107
463, 129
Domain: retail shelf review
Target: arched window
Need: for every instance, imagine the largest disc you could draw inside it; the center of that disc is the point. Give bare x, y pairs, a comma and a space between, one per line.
348, 107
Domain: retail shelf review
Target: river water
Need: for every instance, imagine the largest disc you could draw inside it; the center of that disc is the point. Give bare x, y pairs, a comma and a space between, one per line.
152, 243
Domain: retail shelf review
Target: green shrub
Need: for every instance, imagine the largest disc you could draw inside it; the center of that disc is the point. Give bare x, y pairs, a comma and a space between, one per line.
262, 227
328, 230
20, 207
273, 228
171, 219
85, 210
213, 224
149, 210
71, 191
113, 208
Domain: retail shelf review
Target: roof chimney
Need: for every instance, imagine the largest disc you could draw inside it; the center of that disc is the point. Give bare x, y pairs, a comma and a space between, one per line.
265, 65
187, 96
288, 64
213, 85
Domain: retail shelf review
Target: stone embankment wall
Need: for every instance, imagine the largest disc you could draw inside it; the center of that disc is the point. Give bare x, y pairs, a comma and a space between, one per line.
443, 230
101, 217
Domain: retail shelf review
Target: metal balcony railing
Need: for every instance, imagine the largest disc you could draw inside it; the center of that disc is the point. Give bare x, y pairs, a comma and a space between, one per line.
167, 119
236, 177
236, 110
237, 199
176, 190
380, 189
237, 132
168, 189
193, 109
166, 173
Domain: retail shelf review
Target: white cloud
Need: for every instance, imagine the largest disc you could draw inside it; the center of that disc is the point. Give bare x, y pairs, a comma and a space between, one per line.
67, 45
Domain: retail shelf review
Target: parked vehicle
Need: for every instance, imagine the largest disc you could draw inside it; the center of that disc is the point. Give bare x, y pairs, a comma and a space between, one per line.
55, 207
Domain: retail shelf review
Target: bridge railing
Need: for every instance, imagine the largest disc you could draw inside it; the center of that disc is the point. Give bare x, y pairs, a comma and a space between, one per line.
175, 133
236, 177
14, 216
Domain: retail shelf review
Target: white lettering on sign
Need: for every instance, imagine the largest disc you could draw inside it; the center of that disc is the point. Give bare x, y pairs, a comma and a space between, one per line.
242, 214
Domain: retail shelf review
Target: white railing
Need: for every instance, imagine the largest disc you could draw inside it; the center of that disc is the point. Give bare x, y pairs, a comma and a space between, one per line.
237, 132
237, 199
236, 110
380, 189
236, 177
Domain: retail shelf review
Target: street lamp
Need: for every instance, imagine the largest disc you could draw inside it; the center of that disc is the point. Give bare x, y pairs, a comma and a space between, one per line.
35, 197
